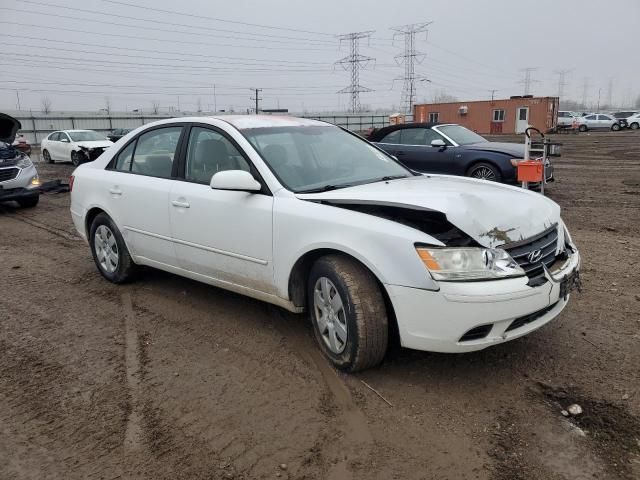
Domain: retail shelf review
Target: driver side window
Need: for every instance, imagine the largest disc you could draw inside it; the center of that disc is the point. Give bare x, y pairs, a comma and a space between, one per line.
209, 152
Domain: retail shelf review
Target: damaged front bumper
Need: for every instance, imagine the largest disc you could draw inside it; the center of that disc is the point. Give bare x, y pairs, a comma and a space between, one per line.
468, 316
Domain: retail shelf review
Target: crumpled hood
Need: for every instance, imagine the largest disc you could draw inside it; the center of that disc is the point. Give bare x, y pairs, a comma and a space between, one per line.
9, 126
516, 150
95, 144
491, 213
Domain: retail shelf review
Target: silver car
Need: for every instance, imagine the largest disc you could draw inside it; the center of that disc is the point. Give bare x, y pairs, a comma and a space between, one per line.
19, 180
599, 121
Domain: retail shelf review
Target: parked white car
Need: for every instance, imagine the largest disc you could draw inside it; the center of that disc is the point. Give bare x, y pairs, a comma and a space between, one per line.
77, 146
633, 122
598, 121
307, 216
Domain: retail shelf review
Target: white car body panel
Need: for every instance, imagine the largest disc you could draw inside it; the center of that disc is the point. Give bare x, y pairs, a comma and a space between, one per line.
250, 242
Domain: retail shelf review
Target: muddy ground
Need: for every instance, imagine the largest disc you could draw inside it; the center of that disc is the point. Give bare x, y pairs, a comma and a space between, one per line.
166, 378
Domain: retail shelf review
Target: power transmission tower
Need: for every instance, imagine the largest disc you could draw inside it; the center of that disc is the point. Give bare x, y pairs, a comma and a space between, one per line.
527, 80
610, 93
585, 92
410, 57
257, 99
562, 83
354, 62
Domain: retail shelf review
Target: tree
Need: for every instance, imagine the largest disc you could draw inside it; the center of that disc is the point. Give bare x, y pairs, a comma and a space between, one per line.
441, 96
45, 103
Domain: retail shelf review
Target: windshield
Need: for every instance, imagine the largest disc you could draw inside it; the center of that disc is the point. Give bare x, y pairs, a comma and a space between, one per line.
86, 136
461, 135
317, 158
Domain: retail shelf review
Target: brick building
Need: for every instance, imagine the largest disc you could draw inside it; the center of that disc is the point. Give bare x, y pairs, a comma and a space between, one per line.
511, 115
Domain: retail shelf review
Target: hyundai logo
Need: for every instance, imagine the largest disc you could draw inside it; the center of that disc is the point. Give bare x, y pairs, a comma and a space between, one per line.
534, 256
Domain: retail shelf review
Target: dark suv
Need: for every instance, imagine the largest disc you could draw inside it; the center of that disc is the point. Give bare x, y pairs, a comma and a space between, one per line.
118, 133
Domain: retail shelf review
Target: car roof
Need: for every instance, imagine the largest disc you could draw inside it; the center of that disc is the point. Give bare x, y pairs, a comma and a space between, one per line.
403, 126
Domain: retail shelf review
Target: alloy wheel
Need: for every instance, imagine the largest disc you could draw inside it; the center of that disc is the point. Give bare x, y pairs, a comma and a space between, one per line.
329, 315
106, 249
483, 173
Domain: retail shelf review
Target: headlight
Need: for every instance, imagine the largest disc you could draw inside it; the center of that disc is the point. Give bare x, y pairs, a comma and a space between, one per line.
24, 162
459, 264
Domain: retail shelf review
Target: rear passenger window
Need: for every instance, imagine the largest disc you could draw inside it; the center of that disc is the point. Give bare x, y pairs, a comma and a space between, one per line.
155, 152
123, 161
393, 137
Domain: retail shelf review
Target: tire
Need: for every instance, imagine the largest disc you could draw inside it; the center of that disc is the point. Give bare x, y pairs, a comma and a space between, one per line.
634, 126
104, 237
46, 156
582, 128
615, 127
361, 315
29, 202
76, 158
485, 171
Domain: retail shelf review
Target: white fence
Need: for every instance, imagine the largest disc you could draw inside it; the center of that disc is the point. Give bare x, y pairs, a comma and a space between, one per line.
36, 127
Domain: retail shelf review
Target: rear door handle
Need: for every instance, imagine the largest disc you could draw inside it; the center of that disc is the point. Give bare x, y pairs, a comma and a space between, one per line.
115, 191
178, 204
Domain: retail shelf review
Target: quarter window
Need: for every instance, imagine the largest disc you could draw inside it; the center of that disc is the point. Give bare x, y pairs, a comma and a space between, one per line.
123, 161
434, 117
209, 152
393, 137
155, 151
498, 115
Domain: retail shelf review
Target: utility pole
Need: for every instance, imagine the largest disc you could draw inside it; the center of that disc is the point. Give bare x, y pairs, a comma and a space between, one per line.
354, 62
493, 93
562, 83
18, 97
409, 58
257, 99
585, 92
598, 108
527, 80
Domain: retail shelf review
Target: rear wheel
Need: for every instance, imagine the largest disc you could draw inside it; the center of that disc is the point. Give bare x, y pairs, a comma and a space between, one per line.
46, 157
76, 158
348, 313
109, 250
484, 171
615, 127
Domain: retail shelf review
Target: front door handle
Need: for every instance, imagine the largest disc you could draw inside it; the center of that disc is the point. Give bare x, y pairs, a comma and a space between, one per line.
178, 204
115, 191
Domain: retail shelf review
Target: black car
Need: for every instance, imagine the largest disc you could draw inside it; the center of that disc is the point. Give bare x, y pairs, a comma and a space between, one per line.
451, 149
118, 133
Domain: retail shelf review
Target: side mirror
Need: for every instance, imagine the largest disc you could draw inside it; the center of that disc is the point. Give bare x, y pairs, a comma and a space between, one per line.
238, 180
438, 143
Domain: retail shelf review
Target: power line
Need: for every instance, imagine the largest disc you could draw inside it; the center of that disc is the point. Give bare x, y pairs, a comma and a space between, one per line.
354, 62
527, 80
409, 59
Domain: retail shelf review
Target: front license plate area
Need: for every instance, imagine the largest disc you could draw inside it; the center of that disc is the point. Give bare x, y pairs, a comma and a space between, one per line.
570, 283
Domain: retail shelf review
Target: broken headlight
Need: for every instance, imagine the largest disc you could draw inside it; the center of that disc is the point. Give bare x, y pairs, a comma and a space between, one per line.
460, 264
24, 162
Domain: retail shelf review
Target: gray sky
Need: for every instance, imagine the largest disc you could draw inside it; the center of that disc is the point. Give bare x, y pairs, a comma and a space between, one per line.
473, 46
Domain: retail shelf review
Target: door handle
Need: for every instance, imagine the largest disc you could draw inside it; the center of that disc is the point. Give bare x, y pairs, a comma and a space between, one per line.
115, 191
178, 204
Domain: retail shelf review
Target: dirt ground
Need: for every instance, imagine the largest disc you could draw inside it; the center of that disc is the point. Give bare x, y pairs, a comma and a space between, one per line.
166, 378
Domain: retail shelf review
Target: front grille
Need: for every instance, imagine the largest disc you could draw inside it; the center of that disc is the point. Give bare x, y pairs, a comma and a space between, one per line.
95, 153
476, 333
546, 242
532, 317
8, 174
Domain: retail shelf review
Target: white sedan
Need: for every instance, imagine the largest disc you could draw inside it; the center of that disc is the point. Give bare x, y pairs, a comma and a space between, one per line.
308, 216
79, 146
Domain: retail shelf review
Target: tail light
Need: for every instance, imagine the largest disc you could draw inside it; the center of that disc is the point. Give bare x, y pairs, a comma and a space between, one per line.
71, 179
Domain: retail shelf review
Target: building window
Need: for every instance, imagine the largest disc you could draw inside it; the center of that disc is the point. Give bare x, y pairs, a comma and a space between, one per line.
498, 115
434, 117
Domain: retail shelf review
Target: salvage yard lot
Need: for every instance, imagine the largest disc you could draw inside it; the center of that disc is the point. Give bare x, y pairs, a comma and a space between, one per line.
169, 378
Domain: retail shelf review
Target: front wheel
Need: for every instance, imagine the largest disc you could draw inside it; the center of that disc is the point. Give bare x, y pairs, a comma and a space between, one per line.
348, 313
46, 157
582, 128
109, 250
615, 127
484, 171
76, 158
634, 126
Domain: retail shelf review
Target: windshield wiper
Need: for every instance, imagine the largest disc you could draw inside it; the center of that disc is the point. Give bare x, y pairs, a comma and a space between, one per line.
325, 188
390, 177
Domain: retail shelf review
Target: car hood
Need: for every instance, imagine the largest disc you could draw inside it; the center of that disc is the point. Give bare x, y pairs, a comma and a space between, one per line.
95, 144
9, 126
516, 150
491, 213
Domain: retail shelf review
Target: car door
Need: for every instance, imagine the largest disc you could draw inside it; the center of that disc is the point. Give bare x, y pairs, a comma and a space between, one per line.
591, 121
390, 143
418, 154
224, 235
605, 121
138, 186
65, 146
51, 145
